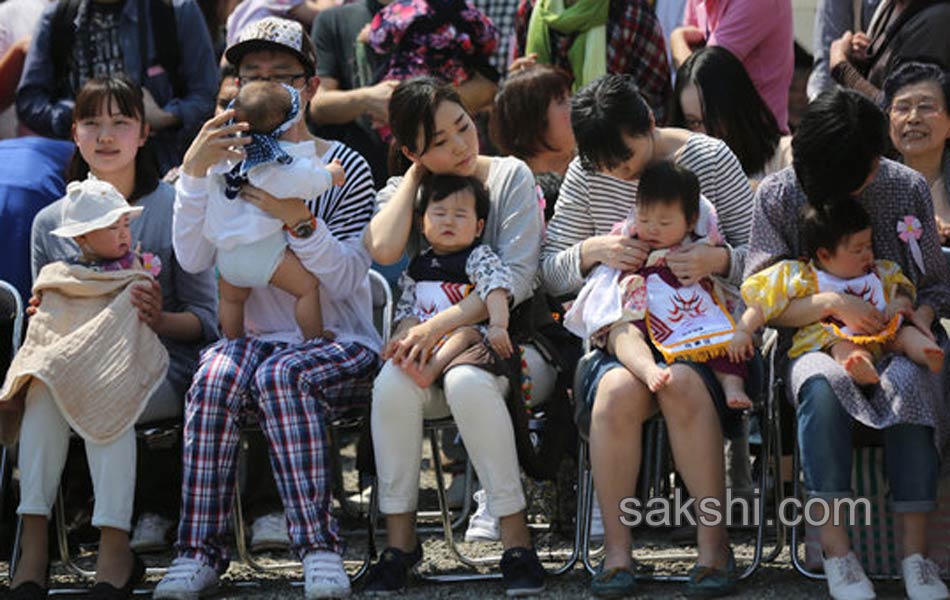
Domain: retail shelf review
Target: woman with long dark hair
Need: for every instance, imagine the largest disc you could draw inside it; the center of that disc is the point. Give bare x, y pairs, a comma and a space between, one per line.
714, 95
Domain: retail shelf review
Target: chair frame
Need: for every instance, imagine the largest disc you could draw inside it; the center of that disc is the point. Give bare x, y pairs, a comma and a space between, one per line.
7, 454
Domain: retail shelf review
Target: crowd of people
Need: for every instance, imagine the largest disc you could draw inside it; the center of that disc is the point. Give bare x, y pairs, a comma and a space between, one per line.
538, 178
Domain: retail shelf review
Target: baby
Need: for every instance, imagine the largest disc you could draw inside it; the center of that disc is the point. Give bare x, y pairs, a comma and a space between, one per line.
452, 212
98, 219
252, 245
837, 242
646, 315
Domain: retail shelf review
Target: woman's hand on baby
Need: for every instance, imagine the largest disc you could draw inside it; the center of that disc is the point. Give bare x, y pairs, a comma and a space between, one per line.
858, 315
693, 263
33, 303
618, 251
900, 305
147, 298
922, 319
740, 348
289, 210
215, 142
499, 340
336, 171
415, 346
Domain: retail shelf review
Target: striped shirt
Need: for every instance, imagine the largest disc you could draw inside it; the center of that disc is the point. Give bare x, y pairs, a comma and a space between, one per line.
591, 203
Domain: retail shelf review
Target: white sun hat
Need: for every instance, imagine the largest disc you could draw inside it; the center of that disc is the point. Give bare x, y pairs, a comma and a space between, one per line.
92, 204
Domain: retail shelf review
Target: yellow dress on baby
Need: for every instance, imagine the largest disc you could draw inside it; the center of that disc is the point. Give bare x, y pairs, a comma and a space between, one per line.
772, 290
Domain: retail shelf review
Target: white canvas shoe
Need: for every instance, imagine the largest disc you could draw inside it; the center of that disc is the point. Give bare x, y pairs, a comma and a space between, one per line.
846, 578
324, 576
482, 526
922, 579
186, 579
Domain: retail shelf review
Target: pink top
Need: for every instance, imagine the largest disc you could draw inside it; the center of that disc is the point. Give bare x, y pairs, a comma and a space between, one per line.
759, 33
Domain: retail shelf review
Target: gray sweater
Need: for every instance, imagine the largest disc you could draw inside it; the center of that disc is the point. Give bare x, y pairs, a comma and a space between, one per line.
181, 291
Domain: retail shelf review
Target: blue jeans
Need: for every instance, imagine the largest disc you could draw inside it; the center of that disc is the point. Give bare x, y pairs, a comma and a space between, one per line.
824, 441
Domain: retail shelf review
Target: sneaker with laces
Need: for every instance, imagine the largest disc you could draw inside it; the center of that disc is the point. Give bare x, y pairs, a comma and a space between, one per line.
482, 526
522, 572
186, 579
269, 532
846, 578
922, 579
324, 576
390, 575
151, 533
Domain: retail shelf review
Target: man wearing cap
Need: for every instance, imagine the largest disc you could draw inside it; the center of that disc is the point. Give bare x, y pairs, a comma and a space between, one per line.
294, 386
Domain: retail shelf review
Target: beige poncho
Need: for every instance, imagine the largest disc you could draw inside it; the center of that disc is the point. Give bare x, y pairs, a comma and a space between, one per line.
87, 344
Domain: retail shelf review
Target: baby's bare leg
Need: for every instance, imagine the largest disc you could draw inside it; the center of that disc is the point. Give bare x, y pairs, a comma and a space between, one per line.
458, 341
912, 342
628, 344
231, 308
733, 387
293, 278
857, 361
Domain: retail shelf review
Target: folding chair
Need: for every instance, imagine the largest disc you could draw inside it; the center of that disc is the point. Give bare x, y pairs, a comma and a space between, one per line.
655, 469
11, 335
383, 307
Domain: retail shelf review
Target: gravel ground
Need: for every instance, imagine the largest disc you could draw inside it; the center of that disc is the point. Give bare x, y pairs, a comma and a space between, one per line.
773, 580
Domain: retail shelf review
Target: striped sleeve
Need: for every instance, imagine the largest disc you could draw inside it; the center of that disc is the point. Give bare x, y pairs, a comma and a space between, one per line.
347, 209
571, 224
722, 180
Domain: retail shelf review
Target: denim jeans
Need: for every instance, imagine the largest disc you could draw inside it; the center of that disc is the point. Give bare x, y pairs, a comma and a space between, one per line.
824, 441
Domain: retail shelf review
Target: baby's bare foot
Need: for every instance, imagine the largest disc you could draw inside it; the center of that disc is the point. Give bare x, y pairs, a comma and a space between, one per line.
934, 359
861, 369
657, 378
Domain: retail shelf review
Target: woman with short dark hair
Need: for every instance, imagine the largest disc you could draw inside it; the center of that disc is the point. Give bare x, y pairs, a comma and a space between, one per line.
542, 138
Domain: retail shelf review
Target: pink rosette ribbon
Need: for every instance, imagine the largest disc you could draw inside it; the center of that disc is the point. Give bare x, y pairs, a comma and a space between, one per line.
151, 263
909, 231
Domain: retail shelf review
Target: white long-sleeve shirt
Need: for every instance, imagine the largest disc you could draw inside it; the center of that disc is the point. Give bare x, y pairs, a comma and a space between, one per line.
334, 254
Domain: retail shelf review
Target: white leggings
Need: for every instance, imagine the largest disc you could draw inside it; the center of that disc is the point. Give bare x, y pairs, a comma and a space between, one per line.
476, 399
44, 441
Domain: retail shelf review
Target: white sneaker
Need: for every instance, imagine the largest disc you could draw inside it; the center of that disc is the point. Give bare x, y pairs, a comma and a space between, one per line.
922, 579
269, 532
186, 579
482, 526
846, 579
324, 576
596, 523
151, 533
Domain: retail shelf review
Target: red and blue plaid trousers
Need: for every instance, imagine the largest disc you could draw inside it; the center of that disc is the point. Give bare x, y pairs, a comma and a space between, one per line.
295, 391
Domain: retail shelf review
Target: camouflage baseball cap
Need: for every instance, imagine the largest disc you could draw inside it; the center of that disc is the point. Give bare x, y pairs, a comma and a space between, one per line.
274, 33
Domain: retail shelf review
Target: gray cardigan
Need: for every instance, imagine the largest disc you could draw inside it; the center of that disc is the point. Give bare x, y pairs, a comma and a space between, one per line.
181, 291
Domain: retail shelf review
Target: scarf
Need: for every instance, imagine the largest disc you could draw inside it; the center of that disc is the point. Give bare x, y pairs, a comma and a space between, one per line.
588, 20
264, 148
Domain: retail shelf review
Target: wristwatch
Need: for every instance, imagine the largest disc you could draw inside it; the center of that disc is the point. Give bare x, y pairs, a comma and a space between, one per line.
303, 229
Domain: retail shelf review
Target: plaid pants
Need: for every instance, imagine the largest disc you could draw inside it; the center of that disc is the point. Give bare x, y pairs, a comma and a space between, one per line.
295, 391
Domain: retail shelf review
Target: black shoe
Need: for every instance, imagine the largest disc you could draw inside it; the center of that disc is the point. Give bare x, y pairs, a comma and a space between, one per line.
522, 572
390, 574
28, 590
107, 591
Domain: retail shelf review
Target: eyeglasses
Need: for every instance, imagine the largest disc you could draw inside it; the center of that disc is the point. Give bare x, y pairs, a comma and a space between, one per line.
925, 108
285, 78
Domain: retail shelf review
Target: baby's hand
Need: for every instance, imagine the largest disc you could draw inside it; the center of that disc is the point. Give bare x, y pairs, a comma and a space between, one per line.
336, 171
900, 305
740, 348
499, 340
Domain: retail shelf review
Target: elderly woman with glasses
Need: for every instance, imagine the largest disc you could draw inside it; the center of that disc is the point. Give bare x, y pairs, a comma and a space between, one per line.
917, 98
